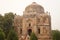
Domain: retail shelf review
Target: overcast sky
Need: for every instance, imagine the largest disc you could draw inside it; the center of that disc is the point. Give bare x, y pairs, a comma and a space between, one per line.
18, 6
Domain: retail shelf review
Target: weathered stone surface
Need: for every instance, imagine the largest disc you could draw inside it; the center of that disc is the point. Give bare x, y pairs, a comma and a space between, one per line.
34, 20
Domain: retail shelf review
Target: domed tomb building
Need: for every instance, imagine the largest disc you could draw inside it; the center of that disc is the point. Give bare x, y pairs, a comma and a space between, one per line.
35, 20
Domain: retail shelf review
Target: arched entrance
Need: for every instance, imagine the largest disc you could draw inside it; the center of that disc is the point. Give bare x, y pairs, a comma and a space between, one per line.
29, 32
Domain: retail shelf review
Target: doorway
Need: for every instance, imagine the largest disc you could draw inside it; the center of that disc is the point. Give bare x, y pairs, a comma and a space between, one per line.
29, 32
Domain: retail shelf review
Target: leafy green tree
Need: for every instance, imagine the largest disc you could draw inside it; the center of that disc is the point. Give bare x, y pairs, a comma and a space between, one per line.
8, 21
1, 21
56, 34
33, 37
2, 35
12, 35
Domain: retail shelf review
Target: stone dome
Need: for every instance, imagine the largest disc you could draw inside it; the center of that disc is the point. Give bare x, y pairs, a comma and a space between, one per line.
34, 7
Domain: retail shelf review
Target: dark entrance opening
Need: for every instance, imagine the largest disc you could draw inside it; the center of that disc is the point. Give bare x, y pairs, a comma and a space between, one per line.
39, 31
20, 31
29, 32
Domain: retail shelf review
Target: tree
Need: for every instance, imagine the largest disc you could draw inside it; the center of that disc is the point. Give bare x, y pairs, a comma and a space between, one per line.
33, 37
8, 21
12, 35
56, 34
2, 35
1, 21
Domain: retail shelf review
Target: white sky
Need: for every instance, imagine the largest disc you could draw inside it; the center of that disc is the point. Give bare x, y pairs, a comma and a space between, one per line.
18, 6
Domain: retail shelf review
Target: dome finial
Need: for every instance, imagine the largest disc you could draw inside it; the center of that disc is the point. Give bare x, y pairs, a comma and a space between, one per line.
34, 3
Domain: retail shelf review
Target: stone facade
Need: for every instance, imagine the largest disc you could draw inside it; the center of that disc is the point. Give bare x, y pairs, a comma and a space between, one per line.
35, 20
